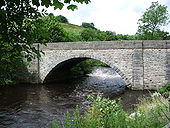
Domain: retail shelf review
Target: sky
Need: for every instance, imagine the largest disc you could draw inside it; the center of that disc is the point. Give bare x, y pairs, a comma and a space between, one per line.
120, 16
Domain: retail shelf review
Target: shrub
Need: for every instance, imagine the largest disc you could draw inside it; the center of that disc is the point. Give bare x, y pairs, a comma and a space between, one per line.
88, 25
89, 35
111, 36
151, 112
165, 91
155, 111
74, 36
93, 35
62, 19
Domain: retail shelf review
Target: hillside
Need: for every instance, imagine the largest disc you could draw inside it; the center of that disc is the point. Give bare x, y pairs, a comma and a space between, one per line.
72, 28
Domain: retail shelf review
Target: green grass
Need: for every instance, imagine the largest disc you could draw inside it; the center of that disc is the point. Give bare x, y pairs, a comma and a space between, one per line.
72, 28
73, 31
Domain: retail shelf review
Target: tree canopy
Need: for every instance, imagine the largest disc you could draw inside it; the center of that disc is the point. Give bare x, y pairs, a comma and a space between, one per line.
57, 4
152, 20
88, 25
62, 19
18, 25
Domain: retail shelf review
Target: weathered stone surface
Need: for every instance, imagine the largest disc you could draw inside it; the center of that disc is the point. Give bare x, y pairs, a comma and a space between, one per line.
142, 64
154, 68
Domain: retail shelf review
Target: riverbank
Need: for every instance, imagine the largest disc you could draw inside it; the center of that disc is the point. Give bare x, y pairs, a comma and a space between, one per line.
150, 112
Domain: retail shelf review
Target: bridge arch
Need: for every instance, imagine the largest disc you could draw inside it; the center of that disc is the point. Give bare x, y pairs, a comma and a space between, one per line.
68, 62
142, 64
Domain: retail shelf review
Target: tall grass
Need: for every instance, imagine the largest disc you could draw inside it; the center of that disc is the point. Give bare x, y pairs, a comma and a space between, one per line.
151, 112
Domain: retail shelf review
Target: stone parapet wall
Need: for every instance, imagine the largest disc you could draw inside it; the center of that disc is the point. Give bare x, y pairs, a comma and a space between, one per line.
104, 45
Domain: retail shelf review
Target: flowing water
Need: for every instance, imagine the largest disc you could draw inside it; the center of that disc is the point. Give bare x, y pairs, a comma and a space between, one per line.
36, 106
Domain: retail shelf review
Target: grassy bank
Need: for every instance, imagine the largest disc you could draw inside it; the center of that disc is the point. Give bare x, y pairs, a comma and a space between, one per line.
72, 28
151, 112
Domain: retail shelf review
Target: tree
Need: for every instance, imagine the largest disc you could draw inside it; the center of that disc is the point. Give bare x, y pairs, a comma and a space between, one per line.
46, 29
62, 19
152, 20
88, 25
162, 35
89, 34
111, 36
51, 14
15, 32
93, 35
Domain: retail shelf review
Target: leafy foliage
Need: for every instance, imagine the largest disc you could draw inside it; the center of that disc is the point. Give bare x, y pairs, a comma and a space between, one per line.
78, 33
50, 30
88, 25
85, 67
17, 32
165, 90
93, 35
106, 113
111, 36
89, 35
152, 20
10, 59
14, 38
62, 19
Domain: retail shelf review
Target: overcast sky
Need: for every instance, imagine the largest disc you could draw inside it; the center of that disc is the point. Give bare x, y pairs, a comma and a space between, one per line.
120, 16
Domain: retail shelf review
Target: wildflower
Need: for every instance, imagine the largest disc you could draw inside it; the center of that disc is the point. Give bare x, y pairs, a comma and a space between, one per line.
133, 115
155, 94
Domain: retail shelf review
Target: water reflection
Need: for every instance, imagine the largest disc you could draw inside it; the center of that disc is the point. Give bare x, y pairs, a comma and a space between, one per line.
35, 106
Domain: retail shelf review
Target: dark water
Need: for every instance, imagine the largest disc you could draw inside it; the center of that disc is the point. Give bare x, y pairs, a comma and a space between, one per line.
36, 106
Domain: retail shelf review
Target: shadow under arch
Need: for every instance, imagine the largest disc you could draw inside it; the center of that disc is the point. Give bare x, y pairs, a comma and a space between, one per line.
61, 71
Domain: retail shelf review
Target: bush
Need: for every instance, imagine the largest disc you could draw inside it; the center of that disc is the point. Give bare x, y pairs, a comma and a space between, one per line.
152, 112
93, 35
74, 36
88, 25
89, 35
111, 36
10, 60
165, 91
62, 19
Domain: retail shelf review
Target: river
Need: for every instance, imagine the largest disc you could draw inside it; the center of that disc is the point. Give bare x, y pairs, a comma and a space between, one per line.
36, 106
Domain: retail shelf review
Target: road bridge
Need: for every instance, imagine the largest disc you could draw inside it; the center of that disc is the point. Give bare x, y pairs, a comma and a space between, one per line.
141, 64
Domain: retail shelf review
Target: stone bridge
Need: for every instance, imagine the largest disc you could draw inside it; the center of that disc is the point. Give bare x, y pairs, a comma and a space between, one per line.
141, 64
